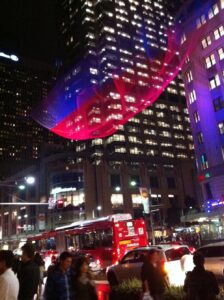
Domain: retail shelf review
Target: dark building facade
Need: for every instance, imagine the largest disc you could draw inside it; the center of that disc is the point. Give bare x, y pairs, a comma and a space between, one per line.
23, 83
204, 85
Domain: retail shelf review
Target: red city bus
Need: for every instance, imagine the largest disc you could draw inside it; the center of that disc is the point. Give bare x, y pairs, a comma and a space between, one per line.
105, 240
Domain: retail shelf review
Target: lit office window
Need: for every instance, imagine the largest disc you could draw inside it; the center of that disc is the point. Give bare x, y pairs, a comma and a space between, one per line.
219, 32
222, 3
152, 152
192, 97
166, 145
189, 76
210, 61
214, 10
200, 21
196, 117
117, 200
206, 42
221, 127
171, 90
204, 162
167, 154
134, 139
214, 82
136, 151
183, 38
120, 149
165, 133
222, 149
200, 138
221, 53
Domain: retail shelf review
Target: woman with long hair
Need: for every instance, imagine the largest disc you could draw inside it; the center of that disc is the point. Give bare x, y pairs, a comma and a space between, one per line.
84, 286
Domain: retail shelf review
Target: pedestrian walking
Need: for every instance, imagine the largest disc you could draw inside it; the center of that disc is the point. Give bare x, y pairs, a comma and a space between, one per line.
28, 274
153, 278
199, 283
9, 284
40, 262
51, 267
84, 286
59, 280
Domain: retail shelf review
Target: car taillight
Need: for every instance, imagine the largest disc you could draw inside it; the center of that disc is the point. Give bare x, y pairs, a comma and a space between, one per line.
192, 249
163, 266
98, 261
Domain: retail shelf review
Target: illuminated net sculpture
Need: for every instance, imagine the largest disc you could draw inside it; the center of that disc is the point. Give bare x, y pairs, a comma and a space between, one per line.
92, 103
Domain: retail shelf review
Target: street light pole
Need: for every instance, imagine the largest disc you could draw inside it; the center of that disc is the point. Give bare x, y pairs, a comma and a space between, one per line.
151, 223
22, 203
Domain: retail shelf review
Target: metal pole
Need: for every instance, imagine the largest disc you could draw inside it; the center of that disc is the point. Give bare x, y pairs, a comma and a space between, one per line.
151, 223
22, 203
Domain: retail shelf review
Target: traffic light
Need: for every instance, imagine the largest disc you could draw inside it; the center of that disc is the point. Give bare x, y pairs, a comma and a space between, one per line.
60, 203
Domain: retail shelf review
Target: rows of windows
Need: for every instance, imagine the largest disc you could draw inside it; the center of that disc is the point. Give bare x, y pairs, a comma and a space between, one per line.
213, 11
218, 33
134, 181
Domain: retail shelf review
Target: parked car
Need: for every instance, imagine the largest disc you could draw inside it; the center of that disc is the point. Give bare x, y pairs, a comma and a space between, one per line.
174, 259
214, 258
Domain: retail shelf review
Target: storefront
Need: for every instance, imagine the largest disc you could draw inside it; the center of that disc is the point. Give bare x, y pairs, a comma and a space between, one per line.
209, 225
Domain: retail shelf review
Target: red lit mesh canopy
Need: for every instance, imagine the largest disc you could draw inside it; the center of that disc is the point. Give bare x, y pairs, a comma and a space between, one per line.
80, 109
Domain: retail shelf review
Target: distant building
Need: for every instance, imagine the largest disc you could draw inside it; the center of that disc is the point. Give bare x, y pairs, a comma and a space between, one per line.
76, 188
23, 84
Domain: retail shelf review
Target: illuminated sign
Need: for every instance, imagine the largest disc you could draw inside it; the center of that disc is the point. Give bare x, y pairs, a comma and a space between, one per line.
12, 56
211, 204
203, 177
120, 217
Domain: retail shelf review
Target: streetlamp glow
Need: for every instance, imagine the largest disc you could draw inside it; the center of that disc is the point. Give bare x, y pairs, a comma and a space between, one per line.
133, 183
22, 187
117, 188
30, 180
99, 208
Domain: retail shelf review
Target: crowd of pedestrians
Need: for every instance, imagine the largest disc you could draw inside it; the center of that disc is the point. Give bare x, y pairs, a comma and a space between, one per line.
69, 278
22, 279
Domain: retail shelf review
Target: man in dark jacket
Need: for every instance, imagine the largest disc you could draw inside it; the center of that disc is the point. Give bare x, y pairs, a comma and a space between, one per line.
59, 280
28, 274
153, 278
199, 283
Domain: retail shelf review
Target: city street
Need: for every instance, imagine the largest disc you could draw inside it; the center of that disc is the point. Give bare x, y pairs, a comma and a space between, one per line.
112, 148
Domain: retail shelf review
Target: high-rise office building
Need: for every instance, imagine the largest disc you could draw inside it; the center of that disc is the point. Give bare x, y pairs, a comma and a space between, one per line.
204, 83
101, 38
23, 83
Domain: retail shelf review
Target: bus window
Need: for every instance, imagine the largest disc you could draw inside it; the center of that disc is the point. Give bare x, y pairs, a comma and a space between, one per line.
106, 238
87, 241
73, 242
96, 239
50, 244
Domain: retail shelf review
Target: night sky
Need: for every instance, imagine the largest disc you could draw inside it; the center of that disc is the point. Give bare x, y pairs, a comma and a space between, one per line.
28, 28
